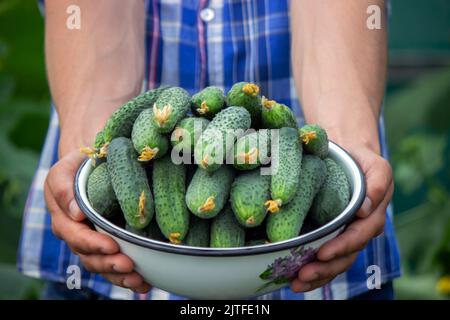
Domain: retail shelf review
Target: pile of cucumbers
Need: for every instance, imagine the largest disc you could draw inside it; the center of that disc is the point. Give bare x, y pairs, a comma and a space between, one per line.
268, 182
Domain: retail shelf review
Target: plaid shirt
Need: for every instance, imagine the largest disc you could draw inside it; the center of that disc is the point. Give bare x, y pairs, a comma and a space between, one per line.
193, 44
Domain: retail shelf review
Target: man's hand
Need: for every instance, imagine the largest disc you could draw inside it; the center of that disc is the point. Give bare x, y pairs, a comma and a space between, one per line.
91, 72
337, 255
339, 66
99, 253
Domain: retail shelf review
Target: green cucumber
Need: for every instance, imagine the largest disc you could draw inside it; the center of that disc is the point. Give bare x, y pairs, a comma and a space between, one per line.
252, 150
246, 94
218, 139
169, 187
249, 193
171, 106
208, 102
130, 183
98, 152
315, 140
100, 191
199, 232
208, 192
99, 140
286, 163
287, 222
187, 132
226, 232
332, 197
147, 140
276, 115
120, 123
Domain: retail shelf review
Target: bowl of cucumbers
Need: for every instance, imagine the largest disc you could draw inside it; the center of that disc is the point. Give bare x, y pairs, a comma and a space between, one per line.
216, 196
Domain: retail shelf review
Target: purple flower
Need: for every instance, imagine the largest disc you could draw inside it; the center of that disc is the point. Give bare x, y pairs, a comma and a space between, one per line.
284, 269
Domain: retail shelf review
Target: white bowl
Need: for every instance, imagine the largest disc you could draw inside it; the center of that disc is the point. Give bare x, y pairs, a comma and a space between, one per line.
224, 273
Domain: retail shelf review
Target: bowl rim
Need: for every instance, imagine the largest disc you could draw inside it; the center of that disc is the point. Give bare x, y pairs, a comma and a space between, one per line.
340, 221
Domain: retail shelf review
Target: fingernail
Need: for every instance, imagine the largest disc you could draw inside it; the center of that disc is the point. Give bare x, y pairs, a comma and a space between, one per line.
300, 286
73, 209
366, 207
126, 283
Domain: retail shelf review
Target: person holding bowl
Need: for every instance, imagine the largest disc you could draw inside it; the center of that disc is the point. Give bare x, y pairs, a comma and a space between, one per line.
319, 57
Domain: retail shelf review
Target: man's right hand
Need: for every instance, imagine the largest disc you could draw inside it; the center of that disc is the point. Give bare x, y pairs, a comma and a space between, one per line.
98, 252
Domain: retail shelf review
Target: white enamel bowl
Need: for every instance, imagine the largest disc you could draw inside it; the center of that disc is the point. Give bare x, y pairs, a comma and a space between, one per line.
228, 273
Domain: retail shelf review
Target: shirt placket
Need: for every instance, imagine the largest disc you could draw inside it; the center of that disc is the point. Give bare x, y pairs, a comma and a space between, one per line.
205, 15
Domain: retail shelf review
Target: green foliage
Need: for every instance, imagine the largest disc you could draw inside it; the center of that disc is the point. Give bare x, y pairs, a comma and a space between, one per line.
16, 286
425, 155
22, 129
24, 114
418, 128
417, 287
442, 257
420, 231
21, 48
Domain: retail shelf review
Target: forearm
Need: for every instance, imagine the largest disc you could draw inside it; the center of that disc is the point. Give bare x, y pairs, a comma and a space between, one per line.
339, 66
95, 69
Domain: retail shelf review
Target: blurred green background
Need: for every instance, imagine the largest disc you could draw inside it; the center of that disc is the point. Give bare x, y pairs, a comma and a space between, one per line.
417, 122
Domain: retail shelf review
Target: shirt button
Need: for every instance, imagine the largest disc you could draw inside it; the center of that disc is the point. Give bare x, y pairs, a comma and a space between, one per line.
207, 14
